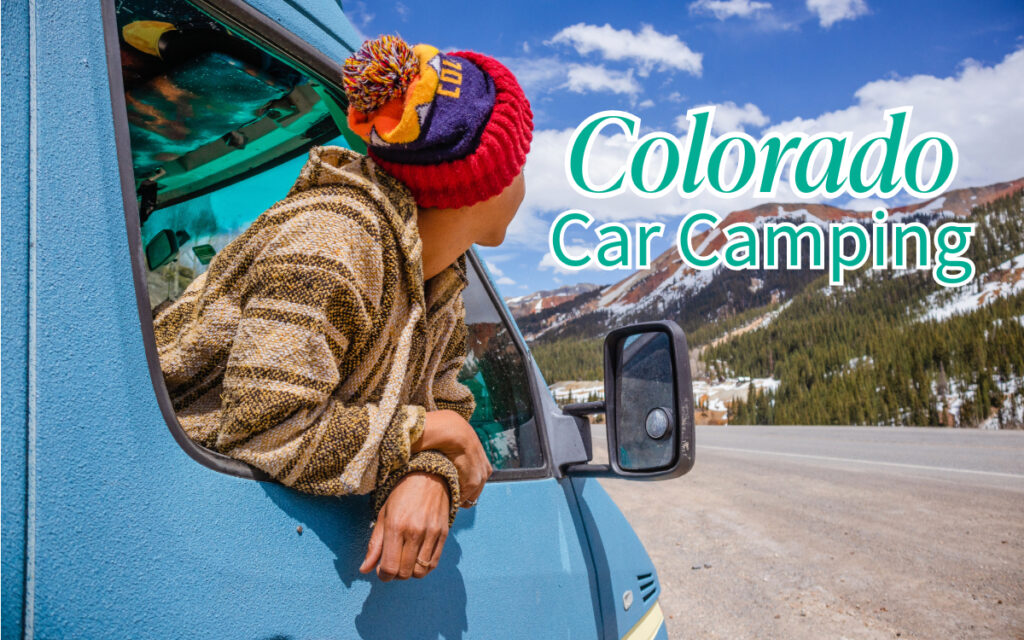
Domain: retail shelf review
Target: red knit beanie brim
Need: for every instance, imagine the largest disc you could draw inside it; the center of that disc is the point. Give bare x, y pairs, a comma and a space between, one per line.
493, 165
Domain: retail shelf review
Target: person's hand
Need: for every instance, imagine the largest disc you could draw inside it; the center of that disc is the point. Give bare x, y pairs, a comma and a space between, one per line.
411, 529
448, 432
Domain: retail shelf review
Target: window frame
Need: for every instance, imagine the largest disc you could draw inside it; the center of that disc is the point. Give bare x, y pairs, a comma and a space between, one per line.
282, 43
532, 379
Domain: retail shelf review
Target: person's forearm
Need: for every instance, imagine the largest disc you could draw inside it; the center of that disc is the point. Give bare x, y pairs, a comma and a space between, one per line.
440, 429
450, 434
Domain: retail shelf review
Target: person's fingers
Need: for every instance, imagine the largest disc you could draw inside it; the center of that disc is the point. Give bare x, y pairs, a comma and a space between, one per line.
415, 537
412, 520
391, 555
473, 487
425, 556
435, 559
468, 486
422, 564
374, 548
408, 564
469, 499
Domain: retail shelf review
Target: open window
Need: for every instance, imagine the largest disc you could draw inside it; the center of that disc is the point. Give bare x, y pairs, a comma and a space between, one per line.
214, 123
218, 129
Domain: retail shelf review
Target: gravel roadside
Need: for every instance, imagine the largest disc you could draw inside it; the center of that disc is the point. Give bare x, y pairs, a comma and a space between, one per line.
754, 546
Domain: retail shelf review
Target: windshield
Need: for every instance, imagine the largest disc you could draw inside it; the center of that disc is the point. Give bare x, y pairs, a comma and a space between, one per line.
206, 107
219, 130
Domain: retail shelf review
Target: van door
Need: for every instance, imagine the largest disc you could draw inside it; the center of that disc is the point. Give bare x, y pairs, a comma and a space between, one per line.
516, 565
140, 533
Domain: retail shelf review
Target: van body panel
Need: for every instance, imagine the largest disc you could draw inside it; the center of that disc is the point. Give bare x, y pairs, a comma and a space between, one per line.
214, 555
319, 22
14, 235
620, 560
121, 532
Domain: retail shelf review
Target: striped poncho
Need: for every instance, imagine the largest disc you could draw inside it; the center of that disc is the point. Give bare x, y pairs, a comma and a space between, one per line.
312, 347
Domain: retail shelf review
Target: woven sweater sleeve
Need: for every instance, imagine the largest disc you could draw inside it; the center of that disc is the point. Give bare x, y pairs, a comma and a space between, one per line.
301, 314
448, 392
428, 461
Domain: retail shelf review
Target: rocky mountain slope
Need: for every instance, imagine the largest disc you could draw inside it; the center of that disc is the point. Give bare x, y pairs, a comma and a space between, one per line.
671, 289
523, 306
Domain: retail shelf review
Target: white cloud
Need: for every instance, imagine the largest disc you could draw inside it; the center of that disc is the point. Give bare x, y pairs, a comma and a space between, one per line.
865, 204
548, 192
506, 281
724, 9
584, 78
548, 262
537, 75
402, 10
493, 268
730, 117
980, 108
647, 47
360, 18
645, 104
830, 12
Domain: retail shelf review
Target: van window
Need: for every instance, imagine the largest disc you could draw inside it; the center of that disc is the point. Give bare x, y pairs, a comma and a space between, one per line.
219, 130
496, 374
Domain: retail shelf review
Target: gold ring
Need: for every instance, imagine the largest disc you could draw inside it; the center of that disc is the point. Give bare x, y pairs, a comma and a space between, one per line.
425, 565
468, 503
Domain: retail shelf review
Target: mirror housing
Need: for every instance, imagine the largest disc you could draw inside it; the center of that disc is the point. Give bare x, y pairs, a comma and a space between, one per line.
648, 404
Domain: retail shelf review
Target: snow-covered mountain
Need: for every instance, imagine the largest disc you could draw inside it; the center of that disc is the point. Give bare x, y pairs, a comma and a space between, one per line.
536, 302
670, 288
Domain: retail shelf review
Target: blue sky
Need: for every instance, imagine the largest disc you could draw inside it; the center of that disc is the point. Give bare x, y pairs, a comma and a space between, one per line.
768, 65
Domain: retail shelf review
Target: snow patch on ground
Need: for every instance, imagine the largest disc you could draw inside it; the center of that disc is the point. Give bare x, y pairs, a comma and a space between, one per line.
852, 365
862, 360
684, 281
1005, 280
577, 390
717, 395
1011, 389
613, 293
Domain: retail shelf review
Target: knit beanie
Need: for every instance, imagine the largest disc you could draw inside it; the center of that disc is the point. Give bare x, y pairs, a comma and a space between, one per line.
453, 127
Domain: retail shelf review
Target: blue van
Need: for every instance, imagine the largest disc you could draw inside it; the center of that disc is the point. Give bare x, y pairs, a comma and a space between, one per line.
139, 137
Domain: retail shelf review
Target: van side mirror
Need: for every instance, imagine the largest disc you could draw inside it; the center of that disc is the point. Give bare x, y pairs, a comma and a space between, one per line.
164, 247
648, 403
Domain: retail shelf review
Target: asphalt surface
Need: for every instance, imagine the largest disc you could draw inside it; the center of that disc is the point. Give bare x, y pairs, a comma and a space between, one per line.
838, 532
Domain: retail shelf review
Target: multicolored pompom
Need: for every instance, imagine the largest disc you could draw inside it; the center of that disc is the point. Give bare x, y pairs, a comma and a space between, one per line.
380, 71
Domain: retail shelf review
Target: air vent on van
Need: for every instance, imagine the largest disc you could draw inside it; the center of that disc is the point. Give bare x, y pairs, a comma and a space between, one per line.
648, 585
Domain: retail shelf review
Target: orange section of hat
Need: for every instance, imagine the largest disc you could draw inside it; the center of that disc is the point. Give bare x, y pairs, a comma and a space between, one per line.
398, 120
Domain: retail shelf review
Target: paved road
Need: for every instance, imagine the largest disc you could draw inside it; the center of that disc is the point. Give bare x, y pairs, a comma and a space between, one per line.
839, 532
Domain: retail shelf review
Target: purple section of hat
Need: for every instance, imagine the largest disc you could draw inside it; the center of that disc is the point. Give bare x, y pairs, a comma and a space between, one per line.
460, 110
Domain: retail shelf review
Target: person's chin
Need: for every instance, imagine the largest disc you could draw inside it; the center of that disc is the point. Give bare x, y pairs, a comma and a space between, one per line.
491, 242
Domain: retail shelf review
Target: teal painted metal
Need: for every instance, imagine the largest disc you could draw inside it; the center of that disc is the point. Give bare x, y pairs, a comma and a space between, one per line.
15, 291
620, 561
112, 531
319, 22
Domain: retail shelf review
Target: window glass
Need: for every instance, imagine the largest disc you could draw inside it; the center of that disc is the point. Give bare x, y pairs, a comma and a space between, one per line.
645, 404
209, 222
496, 374
219, 130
